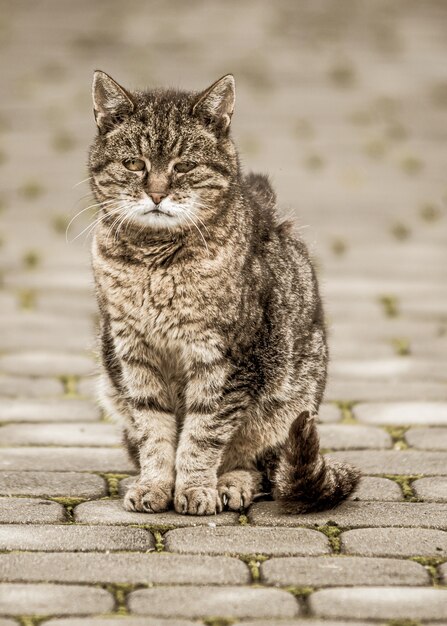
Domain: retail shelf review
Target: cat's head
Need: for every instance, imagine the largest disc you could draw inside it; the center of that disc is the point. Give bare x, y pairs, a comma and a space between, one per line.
161, 158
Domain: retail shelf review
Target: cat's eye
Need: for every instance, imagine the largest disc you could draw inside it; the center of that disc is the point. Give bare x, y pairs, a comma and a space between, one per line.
134, 165
184, 166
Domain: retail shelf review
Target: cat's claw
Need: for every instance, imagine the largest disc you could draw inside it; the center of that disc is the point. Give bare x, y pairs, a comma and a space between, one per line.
197, 501
147, 498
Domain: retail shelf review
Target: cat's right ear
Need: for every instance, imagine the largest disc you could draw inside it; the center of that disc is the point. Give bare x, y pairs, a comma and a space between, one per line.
111, 102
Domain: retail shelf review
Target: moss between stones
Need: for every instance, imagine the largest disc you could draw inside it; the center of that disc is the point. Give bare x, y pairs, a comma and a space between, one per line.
397, 435
401, 346
70, 384
346, 407
31, 259
243, 520
332, 532
390, 305
113, 482
32, 620
218, 621
27, 299
120, 591
68, 504
300, 592
405, 483
431, 565
254, 562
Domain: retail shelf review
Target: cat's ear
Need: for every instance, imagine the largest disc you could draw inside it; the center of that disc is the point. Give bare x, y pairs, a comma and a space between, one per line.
216, 104
111, 102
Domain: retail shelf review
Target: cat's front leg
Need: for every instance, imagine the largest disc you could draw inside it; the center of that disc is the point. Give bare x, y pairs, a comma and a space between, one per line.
153, 441
150, 434
211, 420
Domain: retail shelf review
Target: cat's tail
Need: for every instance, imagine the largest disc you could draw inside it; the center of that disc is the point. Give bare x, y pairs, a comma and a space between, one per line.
306, 481
259, 185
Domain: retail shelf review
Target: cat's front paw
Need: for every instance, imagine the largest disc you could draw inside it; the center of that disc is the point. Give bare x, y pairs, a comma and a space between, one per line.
237, 489
147, 498
197, 501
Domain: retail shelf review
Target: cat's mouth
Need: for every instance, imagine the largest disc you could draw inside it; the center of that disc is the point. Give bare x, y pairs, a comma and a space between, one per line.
156, 212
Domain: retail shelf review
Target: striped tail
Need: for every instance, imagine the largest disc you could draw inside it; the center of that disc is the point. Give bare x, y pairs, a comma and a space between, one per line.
305, 481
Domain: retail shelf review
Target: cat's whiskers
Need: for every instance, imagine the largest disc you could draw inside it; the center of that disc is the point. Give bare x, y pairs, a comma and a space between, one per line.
190, 217
82, 181
91, 206
95, 222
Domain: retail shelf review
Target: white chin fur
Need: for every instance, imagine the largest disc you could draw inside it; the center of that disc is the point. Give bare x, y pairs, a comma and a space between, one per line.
171, 213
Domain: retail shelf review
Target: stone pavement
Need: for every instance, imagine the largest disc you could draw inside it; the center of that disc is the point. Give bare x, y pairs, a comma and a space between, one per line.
345, 104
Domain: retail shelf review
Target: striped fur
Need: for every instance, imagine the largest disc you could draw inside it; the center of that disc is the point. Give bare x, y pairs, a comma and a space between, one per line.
213, 341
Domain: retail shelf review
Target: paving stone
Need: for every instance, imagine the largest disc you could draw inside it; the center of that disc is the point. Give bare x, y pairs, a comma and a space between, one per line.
52, 484
49, 410
112, 512
443, 573
351, 436
288, 622
46, 364
434, 489
395, 542
427, 438
377, 391
70, 538
329, 413
377, 489
30, 511
328, 572
130, 621
188, 601
88, 387
76, 434
30, 387
157, 569
48, 599
402, 413
356, 515
395, 461
7, 622
66, 459
246, 540
380, 603
389, 369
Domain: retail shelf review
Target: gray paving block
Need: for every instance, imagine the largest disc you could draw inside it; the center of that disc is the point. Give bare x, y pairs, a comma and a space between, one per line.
30, 511
70, 538
151, 569
380, 603
434, 489
128, 621
402, 413
391, 368
356, 515
288, 622
52, 484
427, 438
329, 572
395, 461
132, 621
377, 391
48, 410
50, 599
38, 363
329, 413
17, 386
247, 540
88, 387
351, 436
443, 573
66, 459
231, 602
7, 622
377, 489
112, 512
403, 542
73, 434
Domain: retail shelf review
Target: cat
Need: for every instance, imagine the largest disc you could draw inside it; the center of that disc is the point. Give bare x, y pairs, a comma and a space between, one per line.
212, 335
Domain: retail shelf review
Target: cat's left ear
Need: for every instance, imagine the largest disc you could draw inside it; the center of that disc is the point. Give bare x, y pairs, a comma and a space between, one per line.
216, 104
111, 102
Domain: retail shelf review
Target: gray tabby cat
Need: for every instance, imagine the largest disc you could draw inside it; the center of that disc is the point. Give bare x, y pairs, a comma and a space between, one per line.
212, 330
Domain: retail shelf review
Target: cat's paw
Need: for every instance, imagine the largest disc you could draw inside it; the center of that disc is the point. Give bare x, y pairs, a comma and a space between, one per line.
197, 501
237, 489
147, 498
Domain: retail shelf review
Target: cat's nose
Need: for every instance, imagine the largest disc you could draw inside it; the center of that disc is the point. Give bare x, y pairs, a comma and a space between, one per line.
157, 196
